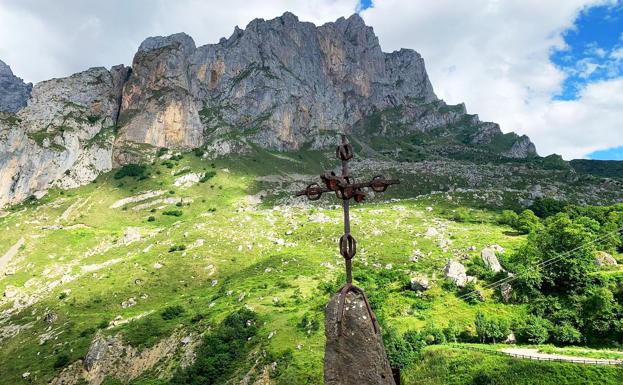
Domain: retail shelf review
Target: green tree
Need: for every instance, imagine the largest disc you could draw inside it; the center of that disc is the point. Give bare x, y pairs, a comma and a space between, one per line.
534, 330
527, 222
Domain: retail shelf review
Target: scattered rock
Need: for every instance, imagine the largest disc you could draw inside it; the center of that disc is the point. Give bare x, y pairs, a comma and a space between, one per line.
456, 272
129, 303
50, 318
419, 283
158, 265
604, 259
511, 339
490, 259
188, 180
506, 290
431, 232
131, 235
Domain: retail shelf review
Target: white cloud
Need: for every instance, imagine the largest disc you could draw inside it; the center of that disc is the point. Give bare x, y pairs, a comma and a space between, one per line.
45, 39
494, 56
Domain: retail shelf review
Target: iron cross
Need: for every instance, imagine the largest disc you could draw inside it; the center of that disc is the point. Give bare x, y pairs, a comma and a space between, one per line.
345, 188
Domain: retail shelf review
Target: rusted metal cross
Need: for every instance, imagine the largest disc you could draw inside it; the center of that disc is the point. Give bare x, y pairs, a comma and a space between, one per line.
345, 188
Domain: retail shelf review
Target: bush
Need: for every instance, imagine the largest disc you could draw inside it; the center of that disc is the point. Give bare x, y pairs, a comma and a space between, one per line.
162, 151
527, 222
508, 217
172, 312
134, 170
534, 330
173, 213
198, 152
546, 207
61, 361
177, 248
220, 353
151, 218
207, 176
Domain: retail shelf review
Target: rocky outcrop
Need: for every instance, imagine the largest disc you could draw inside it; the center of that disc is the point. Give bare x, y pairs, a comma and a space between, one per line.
356, 355
14, 93
280, 84
110, 358
63, 137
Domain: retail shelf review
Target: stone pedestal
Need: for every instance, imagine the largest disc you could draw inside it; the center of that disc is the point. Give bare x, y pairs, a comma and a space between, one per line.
356, 356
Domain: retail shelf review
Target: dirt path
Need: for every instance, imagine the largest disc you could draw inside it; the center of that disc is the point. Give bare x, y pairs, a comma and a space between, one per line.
534, 354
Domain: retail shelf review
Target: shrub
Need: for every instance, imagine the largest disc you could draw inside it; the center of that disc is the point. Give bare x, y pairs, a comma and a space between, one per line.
173, 213
207, 176
534, 330
134, 170
151, 218
198, 152
162, 151
175, 248
219, 354
172, 312
61, 361
527, 222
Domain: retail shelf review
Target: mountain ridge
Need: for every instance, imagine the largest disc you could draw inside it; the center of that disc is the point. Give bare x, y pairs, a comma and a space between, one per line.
279, 84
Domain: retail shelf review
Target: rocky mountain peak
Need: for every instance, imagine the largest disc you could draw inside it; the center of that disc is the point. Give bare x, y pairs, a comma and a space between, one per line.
14, 93
279, 84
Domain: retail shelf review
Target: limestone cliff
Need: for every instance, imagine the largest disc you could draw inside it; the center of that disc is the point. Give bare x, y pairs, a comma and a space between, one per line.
13, 91
280, 84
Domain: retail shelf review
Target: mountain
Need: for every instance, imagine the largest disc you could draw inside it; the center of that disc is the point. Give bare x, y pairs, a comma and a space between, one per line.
279, 84
13, 91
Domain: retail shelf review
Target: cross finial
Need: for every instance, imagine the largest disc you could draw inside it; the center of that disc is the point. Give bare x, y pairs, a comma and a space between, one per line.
345, 188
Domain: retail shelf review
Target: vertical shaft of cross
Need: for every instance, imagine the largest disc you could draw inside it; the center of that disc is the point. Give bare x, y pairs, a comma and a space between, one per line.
346, 206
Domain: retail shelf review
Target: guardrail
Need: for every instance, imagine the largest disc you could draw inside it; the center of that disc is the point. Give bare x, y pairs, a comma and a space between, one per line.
594, 361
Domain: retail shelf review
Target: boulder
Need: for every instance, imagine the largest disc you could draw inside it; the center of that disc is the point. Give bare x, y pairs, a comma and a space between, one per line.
456, 272
506, 290
604, 259
419, 283
356, 355
490, 259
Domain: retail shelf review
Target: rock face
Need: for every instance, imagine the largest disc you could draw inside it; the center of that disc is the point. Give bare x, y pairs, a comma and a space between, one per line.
279, 84
357, 355
63, 137
14, 93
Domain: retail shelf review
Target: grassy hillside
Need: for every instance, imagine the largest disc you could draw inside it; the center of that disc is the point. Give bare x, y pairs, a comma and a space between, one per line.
168, 265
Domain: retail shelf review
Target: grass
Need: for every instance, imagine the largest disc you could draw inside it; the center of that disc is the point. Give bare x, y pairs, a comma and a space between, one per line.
225, 251
442, 365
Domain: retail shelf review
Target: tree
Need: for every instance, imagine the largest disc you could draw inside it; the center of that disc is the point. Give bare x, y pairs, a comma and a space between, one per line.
452, 331
508, 217
527, 222
534, 330
493, 329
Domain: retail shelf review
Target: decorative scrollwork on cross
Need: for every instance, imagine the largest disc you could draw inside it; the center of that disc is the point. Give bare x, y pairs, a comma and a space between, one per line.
345, 188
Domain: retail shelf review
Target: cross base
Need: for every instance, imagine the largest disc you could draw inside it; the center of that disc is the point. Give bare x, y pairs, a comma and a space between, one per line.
341, 303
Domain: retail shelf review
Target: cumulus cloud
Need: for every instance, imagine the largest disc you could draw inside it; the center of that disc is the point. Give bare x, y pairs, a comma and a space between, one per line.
492, 55
495, 57
45, 39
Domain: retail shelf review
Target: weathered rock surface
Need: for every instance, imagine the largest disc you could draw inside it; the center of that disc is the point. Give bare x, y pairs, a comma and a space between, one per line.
604, 259
14, 93
110, 358
419, 283
357, 355
490, 259
280, 84
456, 272
62, 138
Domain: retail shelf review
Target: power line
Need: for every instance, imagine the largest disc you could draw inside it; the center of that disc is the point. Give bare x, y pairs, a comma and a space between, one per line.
545, 263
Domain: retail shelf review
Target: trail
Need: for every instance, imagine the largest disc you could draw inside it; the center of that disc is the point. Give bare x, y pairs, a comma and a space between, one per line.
534, 354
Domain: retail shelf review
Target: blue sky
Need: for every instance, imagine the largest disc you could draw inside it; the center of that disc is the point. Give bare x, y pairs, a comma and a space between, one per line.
594, 53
